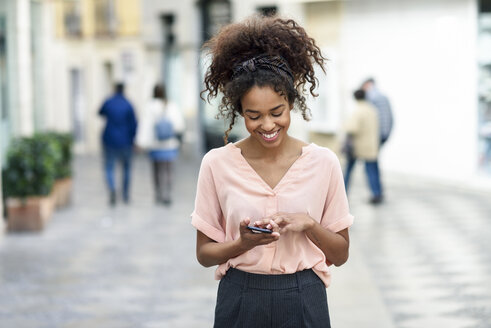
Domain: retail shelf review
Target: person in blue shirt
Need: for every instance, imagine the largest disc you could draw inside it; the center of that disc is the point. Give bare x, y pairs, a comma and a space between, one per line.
117, 140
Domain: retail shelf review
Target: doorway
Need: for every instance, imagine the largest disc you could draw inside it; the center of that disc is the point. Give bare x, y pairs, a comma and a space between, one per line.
76, 105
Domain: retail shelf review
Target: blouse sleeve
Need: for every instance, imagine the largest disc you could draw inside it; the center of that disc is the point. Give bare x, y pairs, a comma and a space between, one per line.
336, 216
207, 216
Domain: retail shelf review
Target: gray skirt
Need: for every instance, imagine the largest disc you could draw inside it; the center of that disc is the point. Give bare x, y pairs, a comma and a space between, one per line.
249, 300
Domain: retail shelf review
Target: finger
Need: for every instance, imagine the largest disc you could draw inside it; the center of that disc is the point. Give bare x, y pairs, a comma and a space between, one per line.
245, 222
261, 223
280, 221
274, 226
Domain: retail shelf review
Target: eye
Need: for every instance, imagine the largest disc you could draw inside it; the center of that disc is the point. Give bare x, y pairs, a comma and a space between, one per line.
253, 118
277, 114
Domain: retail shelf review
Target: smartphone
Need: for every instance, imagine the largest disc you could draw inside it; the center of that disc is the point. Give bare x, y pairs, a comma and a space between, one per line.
259, 230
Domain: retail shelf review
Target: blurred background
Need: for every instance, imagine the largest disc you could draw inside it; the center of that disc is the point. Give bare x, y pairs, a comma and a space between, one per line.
59, 60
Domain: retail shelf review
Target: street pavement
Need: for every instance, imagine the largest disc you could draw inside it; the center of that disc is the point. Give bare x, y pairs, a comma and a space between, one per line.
421, 259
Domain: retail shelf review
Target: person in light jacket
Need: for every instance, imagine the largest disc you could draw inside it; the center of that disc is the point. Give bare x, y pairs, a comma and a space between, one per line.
362, 143
162, 153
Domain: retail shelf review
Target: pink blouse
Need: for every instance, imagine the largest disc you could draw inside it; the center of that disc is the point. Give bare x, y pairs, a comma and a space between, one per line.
229, 190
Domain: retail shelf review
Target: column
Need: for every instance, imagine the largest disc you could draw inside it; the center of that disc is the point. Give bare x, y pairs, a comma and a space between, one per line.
25, 121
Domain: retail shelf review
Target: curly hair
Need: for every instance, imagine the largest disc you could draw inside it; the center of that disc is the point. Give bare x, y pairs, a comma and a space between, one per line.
258, 35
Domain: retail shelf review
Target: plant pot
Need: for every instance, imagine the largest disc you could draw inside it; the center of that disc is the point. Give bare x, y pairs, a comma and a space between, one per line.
62, 192
29, 214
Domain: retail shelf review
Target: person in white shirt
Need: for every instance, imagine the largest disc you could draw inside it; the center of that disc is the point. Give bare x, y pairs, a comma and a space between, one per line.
162, 152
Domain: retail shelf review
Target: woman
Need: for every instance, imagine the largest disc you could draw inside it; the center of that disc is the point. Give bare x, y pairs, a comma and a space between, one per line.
269, 180
161, 152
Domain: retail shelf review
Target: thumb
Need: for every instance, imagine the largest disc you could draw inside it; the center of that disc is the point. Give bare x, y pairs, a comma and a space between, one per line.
245, 222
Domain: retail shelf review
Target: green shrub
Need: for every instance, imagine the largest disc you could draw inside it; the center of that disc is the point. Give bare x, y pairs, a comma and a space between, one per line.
31, 166
63, 143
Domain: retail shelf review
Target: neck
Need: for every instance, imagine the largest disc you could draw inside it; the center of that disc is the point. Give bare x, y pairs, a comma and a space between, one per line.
259, 151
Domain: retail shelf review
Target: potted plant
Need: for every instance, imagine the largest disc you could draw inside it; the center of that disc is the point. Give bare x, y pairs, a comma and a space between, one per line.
28, 180
62, 188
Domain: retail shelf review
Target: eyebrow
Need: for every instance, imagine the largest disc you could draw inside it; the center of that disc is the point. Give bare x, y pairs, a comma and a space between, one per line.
256, 111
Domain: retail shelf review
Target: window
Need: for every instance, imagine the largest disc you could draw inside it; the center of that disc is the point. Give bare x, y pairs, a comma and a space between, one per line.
215, 14
72, 18
77, 104
268, 11
105, 18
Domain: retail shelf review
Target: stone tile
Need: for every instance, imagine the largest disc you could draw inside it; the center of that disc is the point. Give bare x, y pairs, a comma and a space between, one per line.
438, 321
421, 259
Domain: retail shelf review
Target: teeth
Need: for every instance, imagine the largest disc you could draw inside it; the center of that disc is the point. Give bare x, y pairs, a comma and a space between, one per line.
269, 136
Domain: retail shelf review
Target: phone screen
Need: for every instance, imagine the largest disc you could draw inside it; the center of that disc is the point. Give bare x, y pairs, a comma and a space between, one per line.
259, 230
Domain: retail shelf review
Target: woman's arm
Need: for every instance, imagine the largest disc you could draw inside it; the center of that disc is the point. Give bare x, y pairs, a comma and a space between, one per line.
209, 252
334, 245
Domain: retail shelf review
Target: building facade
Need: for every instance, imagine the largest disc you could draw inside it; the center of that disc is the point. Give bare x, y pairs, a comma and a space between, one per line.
59, 59
96, 43
18, 50
423, 56
421, 53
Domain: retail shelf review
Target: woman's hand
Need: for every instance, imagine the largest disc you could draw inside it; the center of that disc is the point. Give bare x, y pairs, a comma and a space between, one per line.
209, 252
297, 222
334, 245
250, 239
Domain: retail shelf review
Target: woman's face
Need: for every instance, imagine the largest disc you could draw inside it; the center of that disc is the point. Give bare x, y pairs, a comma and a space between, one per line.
266, 114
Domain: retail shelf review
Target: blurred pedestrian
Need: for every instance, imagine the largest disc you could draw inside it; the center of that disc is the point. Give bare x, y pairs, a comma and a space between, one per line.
384, 109
362, 143
117, 140
385, 119
162, 146
269, 180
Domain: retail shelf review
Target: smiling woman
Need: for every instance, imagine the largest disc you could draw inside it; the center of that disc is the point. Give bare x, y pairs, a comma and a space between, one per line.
271, 181
266, 115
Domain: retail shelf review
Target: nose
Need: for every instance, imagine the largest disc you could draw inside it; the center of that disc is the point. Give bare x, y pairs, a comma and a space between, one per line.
268, 124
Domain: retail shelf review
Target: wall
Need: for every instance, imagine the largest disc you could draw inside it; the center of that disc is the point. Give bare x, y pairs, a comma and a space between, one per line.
184, 87
186, 29
89, 54
424, 58
421, 52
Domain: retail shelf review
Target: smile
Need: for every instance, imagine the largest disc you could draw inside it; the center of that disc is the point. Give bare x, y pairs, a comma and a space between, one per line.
270, 136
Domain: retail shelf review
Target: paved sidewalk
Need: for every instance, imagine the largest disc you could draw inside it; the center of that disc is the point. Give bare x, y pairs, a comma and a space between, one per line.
96, 266
426, 254
419, 260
